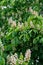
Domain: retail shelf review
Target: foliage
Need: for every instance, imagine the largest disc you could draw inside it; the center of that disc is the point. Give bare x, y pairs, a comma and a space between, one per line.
21, 28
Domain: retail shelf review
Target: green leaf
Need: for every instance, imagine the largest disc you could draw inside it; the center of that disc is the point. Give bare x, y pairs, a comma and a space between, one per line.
2, 61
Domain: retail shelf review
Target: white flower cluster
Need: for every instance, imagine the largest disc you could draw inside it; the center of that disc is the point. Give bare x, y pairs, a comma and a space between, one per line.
27, 55
20, 25
12, 60
33, 12
23, 25
10, 21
